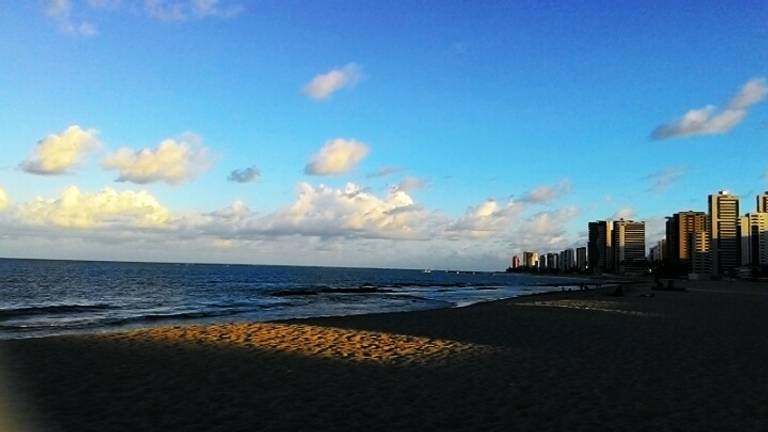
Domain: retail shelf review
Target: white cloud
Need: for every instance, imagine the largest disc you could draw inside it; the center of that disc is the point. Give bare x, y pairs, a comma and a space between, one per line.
709, 120
350, 212
75, 209
56, 154
245, 175
174, 161
325, 85
337, 157
329, 226
411, 183
3, 199
663, 179
544, 194
487, 218
61, 11
181, 10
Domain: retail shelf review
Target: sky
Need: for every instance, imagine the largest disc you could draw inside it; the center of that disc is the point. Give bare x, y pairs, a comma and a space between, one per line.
420, 134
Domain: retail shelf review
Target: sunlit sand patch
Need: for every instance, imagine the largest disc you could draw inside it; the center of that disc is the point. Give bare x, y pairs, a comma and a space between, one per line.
316, 341
589, 305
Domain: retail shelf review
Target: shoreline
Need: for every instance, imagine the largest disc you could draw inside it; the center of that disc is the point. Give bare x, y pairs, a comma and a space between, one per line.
580, 360
214, 320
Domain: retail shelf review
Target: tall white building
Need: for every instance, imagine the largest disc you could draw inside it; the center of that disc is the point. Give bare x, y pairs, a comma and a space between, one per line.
723, 231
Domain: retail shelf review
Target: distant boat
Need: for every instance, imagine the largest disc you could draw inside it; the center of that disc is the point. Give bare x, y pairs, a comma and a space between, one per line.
427, 271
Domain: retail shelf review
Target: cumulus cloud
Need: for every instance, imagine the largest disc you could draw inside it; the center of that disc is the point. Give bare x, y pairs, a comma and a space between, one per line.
3, 199
61, 12
181, 10
245, 175
174, 161
57, 153
331, 226
75, 209
661, 180
324, 85
411, 183
544, 194
487, 218
351, 211
337, 157
710, 120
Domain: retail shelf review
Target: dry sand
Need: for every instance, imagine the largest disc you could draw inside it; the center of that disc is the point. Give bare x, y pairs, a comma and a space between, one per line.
581, 361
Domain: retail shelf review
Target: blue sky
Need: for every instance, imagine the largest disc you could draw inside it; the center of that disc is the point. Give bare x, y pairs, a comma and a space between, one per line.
467, 101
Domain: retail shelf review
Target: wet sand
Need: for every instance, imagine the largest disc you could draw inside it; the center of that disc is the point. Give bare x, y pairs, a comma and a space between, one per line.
578, 361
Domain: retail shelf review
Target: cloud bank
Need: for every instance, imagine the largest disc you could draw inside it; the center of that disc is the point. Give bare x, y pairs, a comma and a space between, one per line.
337, 157
75, 209
349, 225
174, 161
58, 153
324, 85
710, 120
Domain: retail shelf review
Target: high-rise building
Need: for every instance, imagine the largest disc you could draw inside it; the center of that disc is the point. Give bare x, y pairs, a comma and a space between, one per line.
551, 261
600, 251
680, 230
629, 246
724, 231
581, 259
515, 262
762, 203
701, 256
569, 259
656, 254
530, 259
753, 231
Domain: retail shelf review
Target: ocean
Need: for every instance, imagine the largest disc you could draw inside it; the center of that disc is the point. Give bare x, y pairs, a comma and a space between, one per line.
45, 297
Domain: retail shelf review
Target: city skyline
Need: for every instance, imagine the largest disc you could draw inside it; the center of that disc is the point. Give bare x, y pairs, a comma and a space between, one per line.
174, 131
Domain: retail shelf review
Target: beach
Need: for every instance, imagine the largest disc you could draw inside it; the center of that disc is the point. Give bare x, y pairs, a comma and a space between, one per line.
577, 361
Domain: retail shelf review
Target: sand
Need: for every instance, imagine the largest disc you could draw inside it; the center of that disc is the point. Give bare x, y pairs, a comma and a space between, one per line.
579, 361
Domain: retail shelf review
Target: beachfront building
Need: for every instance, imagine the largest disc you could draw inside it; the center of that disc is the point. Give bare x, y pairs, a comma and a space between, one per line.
701, 256
552, 261
530, 260
656, 254
629, 246
515, 262
753, 230
762, 203
680, 230
581, 259
724, 231
569, 259
600, 251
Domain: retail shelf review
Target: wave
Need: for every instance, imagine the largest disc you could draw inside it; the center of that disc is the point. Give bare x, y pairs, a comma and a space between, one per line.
312, 292
52, 310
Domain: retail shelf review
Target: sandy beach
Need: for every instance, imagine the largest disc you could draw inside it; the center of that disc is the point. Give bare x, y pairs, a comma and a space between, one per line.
577, 361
